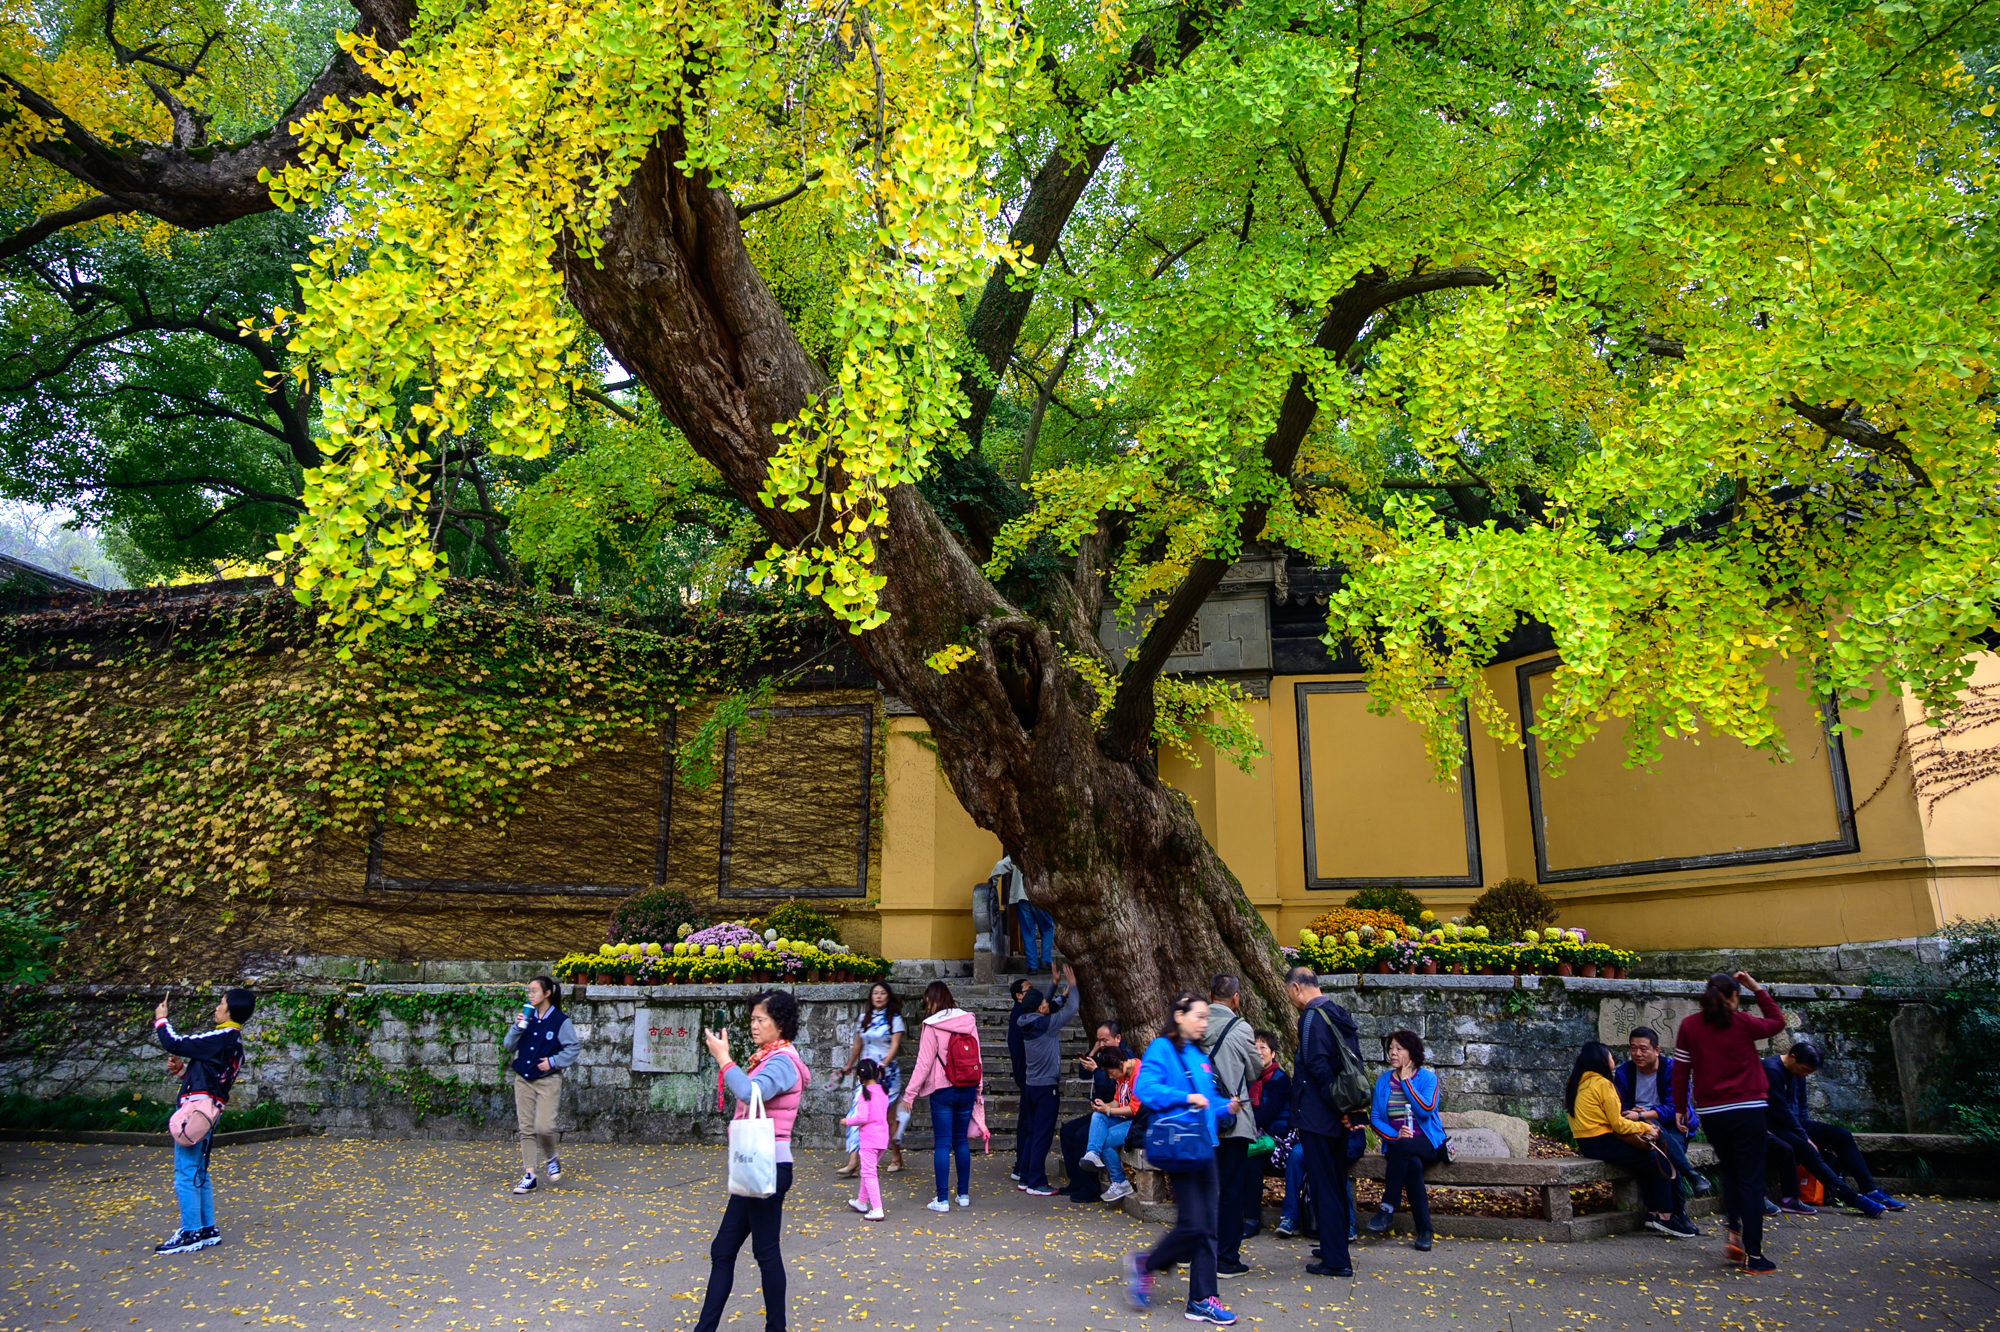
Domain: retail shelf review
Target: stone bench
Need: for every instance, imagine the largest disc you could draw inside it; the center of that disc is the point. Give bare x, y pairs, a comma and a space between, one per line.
1152, 1200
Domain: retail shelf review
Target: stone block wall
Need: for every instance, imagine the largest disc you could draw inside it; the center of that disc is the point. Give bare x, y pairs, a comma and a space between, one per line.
1498, 1043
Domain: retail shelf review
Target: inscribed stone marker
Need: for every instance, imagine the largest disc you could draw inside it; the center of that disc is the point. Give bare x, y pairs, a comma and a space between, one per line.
666, 1040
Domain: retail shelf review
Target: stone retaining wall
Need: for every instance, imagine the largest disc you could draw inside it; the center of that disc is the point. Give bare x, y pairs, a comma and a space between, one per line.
1499, 1043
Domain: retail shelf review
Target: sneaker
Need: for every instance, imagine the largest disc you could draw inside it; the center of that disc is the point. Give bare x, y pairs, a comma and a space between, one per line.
1252, 1231
527, 1184
210, 1237
181, 1241
1321, 1269
1232, 1269
1759, 1265
1771, 1208
938, 1205
1698, 1185
1285, 1231
1014, 1175
1118, 1191
1891, 1204
1091, 1159
1138, 1281
1794, 1207
1674, 1227
1037, 1192
553, 1170
857, 1204
1867, 1206
1422, 1244
1378, 1224
1210, 1310
1732, 1248
965, 1200
874, 1214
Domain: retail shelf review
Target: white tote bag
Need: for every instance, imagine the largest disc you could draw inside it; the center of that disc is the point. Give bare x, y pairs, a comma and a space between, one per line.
753, 1151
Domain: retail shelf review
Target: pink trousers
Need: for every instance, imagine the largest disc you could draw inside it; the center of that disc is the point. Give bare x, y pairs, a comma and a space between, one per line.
871, 1188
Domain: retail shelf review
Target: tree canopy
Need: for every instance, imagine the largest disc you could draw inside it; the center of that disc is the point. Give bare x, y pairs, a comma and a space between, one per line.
1666, 323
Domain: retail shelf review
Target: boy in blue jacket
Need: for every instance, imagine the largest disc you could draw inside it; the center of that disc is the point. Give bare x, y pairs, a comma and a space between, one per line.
207, 1063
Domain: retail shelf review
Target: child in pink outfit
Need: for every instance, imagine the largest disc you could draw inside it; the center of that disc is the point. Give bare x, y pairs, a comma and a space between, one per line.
871, 1117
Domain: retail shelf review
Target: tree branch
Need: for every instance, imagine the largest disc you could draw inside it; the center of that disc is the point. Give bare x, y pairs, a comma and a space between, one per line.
48, 224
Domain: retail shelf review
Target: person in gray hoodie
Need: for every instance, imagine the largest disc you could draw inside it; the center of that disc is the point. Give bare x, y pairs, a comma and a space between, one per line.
1231, 1046
1040, 1025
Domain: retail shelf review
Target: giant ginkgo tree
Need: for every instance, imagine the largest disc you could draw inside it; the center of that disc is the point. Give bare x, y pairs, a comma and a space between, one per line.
1666, 323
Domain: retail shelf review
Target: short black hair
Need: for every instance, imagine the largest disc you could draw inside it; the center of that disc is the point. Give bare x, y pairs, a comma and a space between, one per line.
782, 1007
1410, 1041
1302, 976
242, 1003
1017, 987
1032, 999
1110, 1056
1269, 1038
1224, 987
1806, 1053
1111, 1025
1645, 1034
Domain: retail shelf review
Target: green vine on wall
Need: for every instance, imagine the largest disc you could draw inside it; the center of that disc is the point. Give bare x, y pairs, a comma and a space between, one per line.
168, 768
334, 1031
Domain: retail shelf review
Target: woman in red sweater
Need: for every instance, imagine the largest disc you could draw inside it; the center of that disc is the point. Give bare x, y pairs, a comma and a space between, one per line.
1716, 1049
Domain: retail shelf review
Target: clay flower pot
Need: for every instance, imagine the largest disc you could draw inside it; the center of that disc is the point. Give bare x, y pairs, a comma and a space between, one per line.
631, 980
1486, 971
1382, 967
1429, 967
1618, 973
1589, 971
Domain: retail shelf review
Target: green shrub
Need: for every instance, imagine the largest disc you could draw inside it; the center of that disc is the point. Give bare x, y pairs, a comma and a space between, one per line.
1394, 899
120, 1114
28, 941
795, 920
1511, 907
653, 915
1972, 1014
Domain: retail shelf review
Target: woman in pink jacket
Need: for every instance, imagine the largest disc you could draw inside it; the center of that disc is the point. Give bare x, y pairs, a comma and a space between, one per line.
948, 1070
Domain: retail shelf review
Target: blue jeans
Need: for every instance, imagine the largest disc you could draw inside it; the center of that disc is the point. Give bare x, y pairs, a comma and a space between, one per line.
951, 1119
1295, 1183
191, 1187
1107, 1135
1038, 934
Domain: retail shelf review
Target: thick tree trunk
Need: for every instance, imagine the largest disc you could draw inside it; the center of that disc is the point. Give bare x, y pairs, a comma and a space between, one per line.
1141, 901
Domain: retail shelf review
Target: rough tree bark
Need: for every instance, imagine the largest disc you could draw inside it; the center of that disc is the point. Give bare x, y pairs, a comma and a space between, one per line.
1142, 903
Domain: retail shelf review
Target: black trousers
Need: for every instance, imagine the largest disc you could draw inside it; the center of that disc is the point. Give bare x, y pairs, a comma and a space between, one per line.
1192, 1240
1806, 1157
1326, 1176
1837, 1145
1740, 1138
758, 1220
1661, 1197
1232, 1170
1075, 1138
1407, 1159
1037, 1131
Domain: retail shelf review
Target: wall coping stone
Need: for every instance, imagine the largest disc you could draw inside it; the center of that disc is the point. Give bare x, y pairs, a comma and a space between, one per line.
1409, 982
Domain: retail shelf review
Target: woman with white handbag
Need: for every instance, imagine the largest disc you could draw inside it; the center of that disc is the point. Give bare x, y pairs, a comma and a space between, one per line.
767, 1095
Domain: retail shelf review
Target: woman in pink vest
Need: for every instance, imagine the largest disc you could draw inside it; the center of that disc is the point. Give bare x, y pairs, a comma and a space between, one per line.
779, 1074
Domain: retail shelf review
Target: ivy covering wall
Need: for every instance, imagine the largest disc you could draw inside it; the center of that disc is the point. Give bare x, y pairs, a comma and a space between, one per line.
172, 767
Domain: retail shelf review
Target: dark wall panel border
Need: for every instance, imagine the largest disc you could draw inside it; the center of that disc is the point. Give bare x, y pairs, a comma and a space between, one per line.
1473, 877
1847, 843
859, 888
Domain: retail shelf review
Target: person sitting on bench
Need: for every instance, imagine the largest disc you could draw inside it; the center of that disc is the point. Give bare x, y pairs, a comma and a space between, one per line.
1789, 1123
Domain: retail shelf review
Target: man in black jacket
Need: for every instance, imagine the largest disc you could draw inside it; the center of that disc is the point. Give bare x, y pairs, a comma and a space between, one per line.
1327, 1035
1785, 1117
1017, 1059
1074, 1136
207, 1063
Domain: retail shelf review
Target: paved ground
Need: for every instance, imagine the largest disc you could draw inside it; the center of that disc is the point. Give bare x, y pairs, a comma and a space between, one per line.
364, 1235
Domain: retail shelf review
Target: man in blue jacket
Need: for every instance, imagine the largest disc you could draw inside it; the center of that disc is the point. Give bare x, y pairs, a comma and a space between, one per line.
1327, 1038
1041, 1046
1785, 1117
1645, 1084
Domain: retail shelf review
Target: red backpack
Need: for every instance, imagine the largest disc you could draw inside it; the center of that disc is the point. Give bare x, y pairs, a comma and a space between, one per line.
961, 1060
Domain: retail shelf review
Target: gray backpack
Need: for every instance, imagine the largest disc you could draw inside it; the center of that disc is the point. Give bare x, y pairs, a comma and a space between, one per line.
1350, 1090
